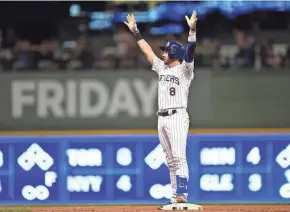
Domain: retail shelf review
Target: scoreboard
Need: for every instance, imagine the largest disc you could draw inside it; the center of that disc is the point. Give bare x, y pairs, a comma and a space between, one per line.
244, 168
122, 169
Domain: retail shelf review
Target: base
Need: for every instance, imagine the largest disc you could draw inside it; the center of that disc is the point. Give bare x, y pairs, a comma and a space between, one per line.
181, 206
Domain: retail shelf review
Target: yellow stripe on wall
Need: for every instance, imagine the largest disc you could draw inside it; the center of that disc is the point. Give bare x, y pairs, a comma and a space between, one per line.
140, 131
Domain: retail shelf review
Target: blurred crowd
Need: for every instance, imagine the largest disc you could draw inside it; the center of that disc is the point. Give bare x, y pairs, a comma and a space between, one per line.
120, 51
47, 55
220, 46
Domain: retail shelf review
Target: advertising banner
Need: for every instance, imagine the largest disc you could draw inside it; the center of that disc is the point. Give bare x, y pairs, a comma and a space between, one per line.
132, 169
86, 100
128, 100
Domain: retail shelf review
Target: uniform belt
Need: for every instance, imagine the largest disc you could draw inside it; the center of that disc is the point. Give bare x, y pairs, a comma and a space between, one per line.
166, 113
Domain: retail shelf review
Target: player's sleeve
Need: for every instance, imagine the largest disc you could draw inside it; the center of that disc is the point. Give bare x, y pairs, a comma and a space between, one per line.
157, 64
188, 64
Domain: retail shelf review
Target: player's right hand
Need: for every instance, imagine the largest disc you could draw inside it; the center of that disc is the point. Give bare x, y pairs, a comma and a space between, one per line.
131, 23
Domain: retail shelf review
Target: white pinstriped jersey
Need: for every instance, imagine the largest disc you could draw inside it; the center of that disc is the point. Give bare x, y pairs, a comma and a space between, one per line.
174, 83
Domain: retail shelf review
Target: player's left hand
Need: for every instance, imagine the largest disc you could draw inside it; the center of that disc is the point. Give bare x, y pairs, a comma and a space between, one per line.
192, 21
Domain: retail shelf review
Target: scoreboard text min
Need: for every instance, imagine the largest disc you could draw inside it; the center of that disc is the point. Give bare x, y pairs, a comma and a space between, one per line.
132, 169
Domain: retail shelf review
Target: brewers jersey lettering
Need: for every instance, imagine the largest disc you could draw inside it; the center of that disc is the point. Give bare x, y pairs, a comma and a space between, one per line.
173, 89
173, 84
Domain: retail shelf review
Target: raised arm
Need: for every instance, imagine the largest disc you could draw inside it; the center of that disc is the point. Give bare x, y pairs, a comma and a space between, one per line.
143, 45
188, 64
191, 45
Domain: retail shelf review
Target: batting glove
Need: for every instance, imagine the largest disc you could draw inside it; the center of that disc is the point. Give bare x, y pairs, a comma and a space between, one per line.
192, 21
131, 23
192, 25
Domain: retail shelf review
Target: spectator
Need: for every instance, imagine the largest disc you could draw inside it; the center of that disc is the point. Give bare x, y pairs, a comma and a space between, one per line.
208, 50
215, 53
44, 56
286, 59
245, 54
268, 57
58, 57
80, 57
6, 58
22, 55
126, 47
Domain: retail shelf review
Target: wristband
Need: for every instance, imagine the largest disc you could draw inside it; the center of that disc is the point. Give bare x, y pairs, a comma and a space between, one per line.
192, 36
138, 36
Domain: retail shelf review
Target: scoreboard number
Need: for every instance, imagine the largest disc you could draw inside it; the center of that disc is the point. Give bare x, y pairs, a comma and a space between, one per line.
285, 189
255, 182
159, 191
124, 183
254, 156
39, 192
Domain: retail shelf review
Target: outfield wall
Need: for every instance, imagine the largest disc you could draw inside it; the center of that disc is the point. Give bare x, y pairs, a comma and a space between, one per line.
70, 169
128, 100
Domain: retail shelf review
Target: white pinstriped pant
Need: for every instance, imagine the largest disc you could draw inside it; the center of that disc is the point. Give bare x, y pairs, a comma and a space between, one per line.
172, 131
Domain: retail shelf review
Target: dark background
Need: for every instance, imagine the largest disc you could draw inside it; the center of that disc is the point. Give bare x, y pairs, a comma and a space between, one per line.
38, 20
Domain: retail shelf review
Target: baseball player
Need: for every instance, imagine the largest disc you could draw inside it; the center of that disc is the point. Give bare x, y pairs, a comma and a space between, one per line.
176, 71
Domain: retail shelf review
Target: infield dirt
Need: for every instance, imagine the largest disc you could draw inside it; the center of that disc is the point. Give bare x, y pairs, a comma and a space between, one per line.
215, 208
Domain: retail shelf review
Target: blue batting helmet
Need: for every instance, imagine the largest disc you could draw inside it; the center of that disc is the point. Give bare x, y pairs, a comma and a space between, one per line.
175, 50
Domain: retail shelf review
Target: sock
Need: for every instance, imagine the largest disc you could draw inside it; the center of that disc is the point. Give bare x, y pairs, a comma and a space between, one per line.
181, 186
